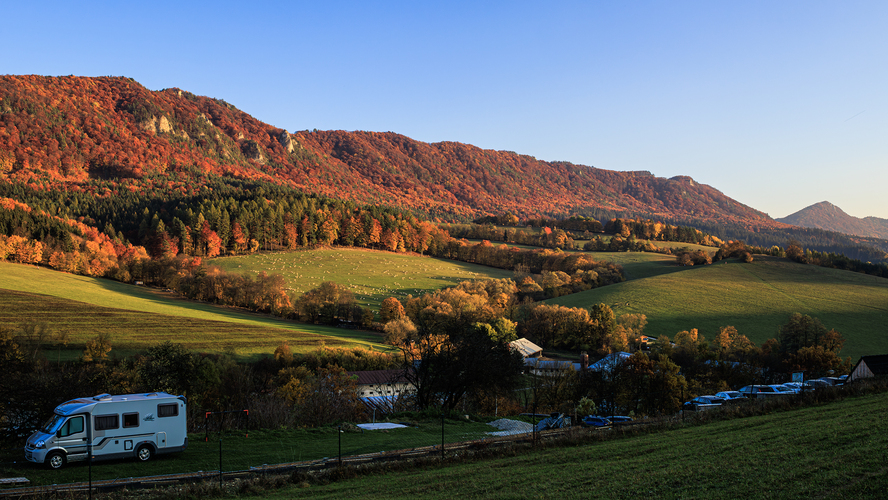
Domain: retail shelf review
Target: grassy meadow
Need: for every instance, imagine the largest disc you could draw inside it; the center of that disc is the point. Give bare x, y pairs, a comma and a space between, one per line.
638, 265
371, 275
635, 264
827, 451
755, 298
81, 307
137, 317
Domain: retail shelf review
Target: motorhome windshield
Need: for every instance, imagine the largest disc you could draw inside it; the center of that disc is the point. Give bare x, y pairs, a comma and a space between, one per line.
53, 424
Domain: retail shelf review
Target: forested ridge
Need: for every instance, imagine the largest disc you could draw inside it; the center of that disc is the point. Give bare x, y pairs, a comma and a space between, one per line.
76, 132
110, 139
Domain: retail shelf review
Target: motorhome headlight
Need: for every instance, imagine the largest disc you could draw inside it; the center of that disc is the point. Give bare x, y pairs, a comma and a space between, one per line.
40, 444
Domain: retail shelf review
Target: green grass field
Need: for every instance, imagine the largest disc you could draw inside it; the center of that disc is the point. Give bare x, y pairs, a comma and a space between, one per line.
638, 265
830, 451
371, 275
755, 298
661, 244
137, 317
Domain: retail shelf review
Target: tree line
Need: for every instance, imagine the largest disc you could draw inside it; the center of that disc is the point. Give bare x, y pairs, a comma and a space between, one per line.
452, 345
281, 389
561, 233
794, 252
659, 376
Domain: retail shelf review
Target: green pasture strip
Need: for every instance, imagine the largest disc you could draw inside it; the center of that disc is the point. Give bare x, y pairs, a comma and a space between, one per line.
138, 317
755, 298
830, 451
661, 244
678, 244
516, 245
523, 229
637, 265
371, 275
241, 450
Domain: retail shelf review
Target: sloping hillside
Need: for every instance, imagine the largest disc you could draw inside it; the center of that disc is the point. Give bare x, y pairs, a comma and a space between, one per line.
79, 308
755, 298
825, 215
104, 134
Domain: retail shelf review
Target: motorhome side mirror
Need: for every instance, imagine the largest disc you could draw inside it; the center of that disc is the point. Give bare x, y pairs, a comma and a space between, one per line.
59, 433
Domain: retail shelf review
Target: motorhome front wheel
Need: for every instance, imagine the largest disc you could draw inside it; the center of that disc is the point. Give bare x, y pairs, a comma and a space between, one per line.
55, 460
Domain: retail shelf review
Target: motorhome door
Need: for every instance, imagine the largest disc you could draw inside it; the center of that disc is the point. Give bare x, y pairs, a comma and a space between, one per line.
72, 436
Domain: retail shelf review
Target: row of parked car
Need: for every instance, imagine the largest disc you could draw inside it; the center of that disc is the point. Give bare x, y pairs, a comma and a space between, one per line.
725, 397
761, 391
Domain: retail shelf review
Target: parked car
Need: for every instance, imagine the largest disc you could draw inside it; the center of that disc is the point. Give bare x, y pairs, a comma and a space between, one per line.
729, 395
760, 391
833, 381
796, 386
701, 403
713, 399
595, 421
783, 388
816, 384
619, 419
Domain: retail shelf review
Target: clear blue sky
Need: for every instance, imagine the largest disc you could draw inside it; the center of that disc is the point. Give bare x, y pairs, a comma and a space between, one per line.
779, 105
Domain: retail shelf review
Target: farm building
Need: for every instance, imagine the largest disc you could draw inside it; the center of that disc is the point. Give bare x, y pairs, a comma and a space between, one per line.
609, 362
379, 390
382, 383
870, 366
539, 366
527, 348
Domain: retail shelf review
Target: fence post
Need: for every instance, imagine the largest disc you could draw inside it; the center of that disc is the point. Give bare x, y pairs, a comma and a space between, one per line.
220, 461
340, 445
442, 435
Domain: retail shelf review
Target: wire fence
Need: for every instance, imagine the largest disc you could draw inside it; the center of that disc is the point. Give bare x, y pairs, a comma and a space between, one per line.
225, 453
224, 450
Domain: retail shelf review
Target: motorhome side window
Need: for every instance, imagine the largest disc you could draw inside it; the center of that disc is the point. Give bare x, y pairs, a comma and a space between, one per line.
105, 422
170, 410
72, 426
130, 420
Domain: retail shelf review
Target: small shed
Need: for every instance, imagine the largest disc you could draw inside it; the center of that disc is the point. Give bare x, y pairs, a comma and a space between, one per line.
527, 348
870, 366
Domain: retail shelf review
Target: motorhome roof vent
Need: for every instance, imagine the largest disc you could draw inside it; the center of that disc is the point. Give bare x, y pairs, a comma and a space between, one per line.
151, 395
102, 397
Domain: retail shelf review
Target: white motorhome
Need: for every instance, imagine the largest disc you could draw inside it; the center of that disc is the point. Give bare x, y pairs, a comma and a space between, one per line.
122, 426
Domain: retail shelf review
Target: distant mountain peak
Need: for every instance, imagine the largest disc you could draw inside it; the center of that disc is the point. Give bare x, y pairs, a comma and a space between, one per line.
827, 205
829, 217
